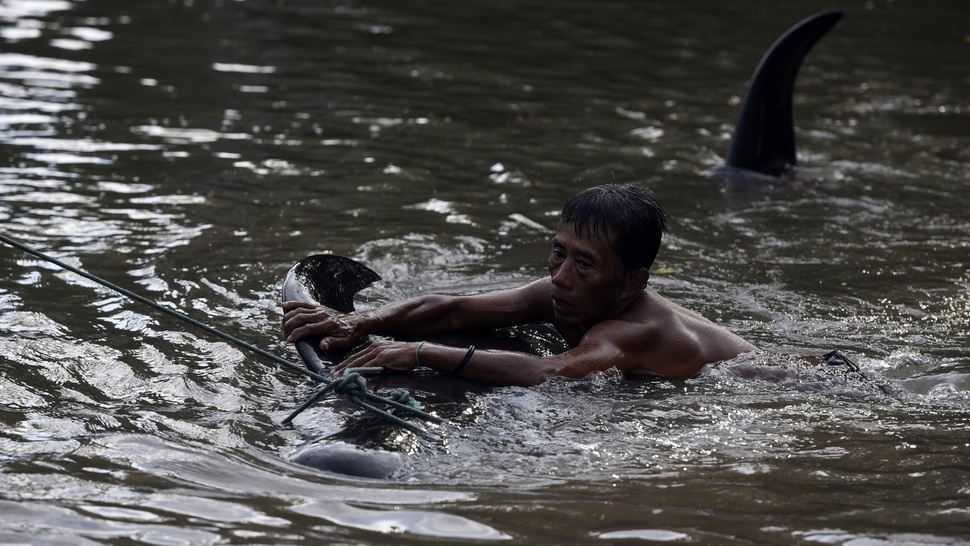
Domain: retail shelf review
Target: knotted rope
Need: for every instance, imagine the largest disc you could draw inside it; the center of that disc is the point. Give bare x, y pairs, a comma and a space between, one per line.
357, 394
353, 385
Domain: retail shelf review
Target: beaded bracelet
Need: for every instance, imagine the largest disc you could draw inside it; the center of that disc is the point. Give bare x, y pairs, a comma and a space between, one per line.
464, 361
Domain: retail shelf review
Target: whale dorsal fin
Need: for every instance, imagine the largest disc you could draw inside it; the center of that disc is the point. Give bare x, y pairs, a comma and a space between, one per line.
764, 137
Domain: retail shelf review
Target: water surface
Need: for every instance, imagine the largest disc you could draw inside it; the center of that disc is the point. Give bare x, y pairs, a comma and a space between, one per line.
193, 151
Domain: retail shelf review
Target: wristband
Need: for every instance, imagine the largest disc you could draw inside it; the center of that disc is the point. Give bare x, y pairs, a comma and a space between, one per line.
464, 361
416, 359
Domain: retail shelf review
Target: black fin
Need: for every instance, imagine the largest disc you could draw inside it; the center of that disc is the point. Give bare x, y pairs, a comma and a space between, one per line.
764, 138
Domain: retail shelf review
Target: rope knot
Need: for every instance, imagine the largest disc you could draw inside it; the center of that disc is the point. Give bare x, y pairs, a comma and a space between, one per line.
403, 396
353, 385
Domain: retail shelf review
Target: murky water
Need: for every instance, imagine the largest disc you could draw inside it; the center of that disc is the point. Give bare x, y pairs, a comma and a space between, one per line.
193, 151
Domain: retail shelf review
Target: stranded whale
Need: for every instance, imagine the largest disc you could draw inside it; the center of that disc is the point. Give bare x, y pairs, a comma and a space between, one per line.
762, 148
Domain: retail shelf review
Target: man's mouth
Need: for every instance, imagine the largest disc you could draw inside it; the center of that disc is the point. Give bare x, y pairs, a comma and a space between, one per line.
560, 304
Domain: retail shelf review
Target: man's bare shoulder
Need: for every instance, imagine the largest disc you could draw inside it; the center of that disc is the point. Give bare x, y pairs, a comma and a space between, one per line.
658, 336
642, 324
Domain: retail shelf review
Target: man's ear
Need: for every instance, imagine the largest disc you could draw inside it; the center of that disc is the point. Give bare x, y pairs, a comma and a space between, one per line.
636, 280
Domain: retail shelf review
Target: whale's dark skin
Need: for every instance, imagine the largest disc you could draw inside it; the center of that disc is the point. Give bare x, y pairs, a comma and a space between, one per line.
349, 460
763, 143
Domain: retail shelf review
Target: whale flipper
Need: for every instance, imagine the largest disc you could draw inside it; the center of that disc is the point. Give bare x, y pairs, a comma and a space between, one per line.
764, 137
345, 278
328, 280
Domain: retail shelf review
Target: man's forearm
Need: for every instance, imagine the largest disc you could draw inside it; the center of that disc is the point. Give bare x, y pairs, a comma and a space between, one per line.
423, 315
503, 368
433, 314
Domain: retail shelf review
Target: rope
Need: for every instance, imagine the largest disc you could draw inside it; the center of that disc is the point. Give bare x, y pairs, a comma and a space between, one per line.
353, 385
358, 396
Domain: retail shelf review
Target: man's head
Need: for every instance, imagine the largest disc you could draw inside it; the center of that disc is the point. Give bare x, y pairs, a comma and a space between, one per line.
627, 214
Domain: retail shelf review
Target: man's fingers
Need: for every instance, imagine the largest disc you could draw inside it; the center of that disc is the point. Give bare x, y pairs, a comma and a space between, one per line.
333, 343
291, 305
359, 359
298, 331
306, 319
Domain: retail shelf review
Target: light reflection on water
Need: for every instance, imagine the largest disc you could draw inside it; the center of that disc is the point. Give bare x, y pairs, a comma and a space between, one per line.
432, 144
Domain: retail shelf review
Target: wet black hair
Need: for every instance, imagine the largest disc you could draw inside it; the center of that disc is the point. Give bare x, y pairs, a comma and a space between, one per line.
628, 213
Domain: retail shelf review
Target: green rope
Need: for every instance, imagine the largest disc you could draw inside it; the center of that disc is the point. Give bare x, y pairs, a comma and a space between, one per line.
359, 396
353, 385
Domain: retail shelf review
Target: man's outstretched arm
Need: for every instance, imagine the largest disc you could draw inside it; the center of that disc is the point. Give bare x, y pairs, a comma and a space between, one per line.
424, 315
595, 353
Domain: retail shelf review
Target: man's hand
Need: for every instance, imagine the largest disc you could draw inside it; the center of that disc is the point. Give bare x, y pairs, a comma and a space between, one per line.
339, 330
384, 353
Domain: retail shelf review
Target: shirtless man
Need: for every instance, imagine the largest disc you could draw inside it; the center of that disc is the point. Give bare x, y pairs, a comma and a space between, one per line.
596, 296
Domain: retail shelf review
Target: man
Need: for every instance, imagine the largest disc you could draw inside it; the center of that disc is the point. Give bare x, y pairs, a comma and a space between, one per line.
596, 296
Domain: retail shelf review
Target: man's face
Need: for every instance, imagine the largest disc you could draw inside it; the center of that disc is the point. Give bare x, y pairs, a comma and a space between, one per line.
587, 285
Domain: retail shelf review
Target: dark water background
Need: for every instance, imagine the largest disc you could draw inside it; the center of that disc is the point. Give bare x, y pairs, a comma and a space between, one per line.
193, 151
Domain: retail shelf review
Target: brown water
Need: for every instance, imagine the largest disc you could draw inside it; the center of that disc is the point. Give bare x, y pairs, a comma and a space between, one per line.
193, 151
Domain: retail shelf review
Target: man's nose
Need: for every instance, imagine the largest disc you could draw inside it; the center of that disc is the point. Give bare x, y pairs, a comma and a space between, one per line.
561, 276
